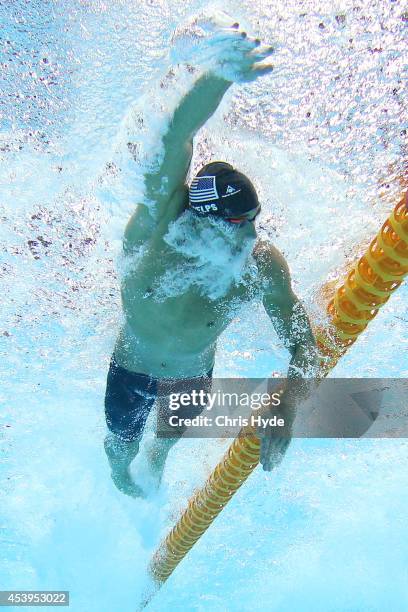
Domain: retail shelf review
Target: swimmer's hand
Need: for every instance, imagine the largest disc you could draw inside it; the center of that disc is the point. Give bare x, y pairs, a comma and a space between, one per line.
273, 448
217, 43
272, 451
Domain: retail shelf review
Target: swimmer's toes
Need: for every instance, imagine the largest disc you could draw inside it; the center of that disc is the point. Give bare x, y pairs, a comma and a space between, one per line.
135, 491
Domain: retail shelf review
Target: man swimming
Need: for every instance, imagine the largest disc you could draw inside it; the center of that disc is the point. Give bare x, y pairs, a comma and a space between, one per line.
199, 258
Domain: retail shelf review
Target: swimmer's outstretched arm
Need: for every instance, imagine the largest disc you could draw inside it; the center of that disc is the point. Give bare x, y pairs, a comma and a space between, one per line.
196, 107
239, 61
165, 190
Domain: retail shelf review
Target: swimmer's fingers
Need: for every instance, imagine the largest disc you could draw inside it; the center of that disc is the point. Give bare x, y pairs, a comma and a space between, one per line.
258, 70
227, 49
239, 51
225, 34
235, 51
272, 451
262, 69
236, 40
265, 453
269, 457
260, 53
246, 43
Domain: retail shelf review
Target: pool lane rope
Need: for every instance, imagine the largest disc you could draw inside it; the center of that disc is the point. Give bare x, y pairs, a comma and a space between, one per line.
368, 286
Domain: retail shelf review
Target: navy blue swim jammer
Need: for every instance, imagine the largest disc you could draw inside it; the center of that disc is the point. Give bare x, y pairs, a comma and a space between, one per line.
130, 397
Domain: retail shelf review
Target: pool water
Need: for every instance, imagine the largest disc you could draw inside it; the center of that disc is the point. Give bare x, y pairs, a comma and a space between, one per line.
323, 141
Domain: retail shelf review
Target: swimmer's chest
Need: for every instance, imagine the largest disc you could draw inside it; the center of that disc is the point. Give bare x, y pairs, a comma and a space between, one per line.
190, 311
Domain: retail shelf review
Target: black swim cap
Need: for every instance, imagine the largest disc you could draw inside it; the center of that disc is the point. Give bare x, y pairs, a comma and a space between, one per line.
220, 190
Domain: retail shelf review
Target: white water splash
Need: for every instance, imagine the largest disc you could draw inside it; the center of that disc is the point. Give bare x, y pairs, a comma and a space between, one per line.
213, 259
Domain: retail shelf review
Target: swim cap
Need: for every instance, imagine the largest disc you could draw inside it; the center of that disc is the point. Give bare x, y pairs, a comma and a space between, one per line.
220, 190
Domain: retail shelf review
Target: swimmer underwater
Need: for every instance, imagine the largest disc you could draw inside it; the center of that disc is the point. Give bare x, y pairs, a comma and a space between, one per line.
175, 337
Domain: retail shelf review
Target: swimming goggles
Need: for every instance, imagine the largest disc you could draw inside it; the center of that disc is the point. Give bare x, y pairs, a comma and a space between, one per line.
250, 216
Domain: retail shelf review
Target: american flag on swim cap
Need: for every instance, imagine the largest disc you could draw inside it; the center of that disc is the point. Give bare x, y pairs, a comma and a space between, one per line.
203, 189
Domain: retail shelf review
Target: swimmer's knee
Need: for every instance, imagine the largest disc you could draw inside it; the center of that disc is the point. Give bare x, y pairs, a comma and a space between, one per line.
115, 442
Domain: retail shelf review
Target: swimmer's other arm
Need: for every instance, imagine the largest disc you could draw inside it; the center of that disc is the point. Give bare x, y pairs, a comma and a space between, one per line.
293, 327
289, 317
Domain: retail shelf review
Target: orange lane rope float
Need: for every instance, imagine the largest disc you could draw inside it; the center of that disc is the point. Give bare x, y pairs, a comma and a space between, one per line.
377, 274
368, 286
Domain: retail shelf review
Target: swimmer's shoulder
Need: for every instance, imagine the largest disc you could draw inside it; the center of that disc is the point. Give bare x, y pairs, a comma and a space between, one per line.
268, 257
272, 266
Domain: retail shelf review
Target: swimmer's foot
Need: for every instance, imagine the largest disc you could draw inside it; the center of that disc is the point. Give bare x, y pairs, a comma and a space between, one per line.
120, 454
124, 483
148, 480
155, 478
148, 473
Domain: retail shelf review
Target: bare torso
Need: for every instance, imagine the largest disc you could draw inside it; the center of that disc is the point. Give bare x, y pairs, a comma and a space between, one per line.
176, 335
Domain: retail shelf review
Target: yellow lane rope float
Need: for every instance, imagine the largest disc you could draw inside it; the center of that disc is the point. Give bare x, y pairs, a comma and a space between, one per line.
367, 288
239, 461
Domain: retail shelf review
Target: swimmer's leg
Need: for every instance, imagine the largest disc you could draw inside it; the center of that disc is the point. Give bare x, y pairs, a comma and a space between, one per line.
120, 455
126, 410
158, 448
157, 452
